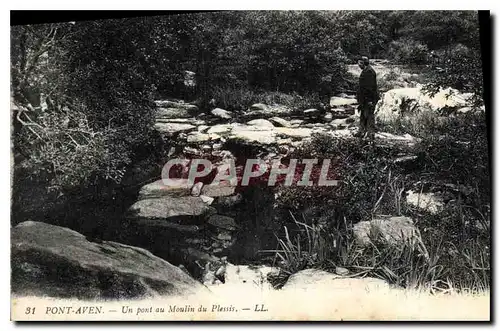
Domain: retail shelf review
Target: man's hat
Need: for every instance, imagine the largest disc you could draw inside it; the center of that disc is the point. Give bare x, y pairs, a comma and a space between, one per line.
365, 60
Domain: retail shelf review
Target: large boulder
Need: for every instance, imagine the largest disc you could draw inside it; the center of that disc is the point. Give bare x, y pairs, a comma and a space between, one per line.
49, 260
256, 132
397, 102
392, 139
220, 129
250, 137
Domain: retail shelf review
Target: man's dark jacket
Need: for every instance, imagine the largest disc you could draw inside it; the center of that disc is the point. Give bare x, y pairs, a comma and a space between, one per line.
367, 91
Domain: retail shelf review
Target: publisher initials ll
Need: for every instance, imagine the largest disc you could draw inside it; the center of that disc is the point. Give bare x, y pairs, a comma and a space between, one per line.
261, 308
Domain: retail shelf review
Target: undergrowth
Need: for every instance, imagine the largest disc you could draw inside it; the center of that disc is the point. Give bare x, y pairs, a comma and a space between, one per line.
452, 249
239, 98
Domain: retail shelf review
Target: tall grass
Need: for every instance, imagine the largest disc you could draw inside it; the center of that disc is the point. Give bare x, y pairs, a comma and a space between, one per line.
412, 264
237, 98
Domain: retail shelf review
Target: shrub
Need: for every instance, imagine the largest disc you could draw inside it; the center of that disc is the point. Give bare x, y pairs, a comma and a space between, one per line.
293, 100
241, 98
408, 51
232, 98
364, 173
458, 67
82, 108
390, 81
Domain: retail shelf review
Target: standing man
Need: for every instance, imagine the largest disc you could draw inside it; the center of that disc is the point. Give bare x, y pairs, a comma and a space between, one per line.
367, 98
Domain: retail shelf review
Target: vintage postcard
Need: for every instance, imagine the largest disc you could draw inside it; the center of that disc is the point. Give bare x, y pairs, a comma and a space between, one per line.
251, 165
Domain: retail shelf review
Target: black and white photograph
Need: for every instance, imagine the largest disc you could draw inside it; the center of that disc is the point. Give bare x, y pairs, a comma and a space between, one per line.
251, 165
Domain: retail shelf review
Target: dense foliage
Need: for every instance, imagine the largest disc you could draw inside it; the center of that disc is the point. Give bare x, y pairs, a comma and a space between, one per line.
83, 113
84, 107
408, 51
460, 68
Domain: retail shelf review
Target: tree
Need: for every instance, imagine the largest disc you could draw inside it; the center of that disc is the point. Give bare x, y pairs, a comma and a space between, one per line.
83, 100
441, 29
292, 51
363, 33
461, 68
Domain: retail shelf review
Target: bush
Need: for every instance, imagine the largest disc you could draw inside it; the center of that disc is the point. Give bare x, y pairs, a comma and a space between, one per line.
232, 98
408, 51
458, 67
83, 107
364, 173
241, 98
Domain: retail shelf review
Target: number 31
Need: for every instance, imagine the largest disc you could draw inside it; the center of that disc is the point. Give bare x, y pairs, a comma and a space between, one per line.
30, 310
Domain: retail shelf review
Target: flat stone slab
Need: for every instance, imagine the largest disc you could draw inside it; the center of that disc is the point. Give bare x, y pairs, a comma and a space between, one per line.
294, 132
198, 137
169, 113
158, 189
171, 128
167, 207
218, 190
